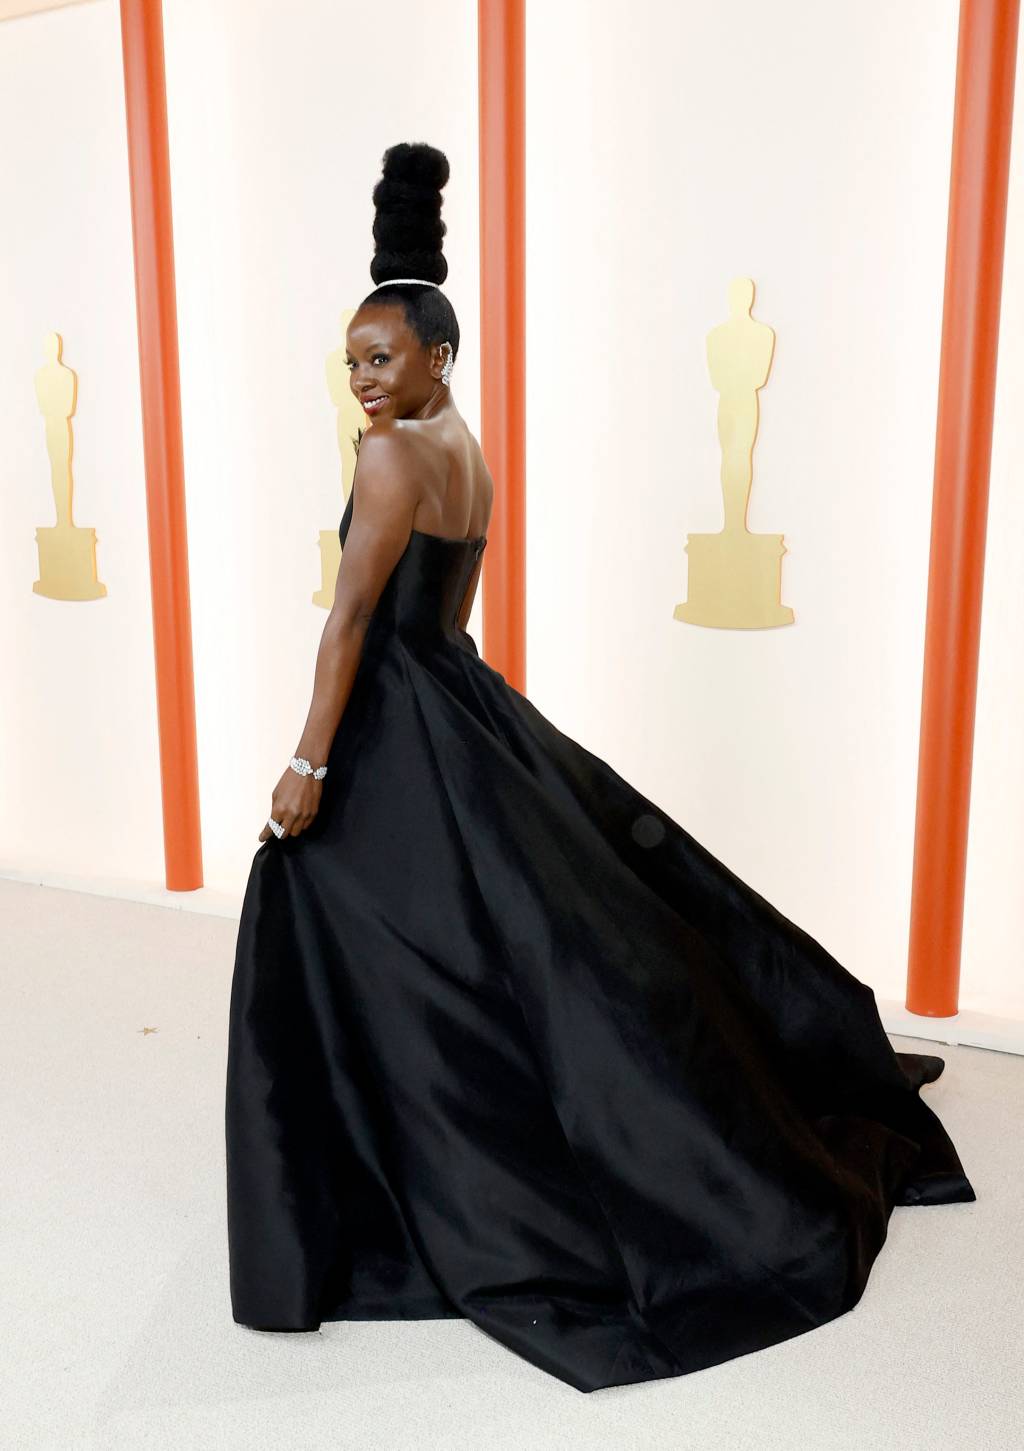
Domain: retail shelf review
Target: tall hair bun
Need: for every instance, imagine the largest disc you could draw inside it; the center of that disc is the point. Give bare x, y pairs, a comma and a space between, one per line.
407, 228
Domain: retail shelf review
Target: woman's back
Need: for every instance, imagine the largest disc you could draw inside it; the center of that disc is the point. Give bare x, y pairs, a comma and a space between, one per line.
457, 484
421, 603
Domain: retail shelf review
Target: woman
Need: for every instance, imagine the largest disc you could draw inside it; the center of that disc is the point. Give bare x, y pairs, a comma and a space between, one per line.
506, 1042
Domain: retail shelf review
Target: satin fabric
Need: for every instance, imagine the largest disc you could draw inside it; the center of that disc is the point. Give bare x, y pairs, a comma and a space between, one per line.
506, 1042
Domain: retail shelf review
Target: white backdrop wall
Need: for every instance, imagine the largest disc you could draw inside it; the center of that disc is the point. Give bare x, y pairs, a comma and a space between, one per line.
78, 729
272, 179
805, 146
278, 117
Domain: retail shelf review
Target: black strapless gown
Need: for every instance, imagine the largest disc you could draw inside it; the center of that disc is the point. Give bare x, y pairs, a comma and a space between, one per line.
507, 1043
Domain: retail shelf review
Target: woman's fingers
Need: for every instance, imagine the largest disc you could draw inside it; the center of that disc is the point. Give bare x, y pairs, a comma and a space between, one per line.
293, 819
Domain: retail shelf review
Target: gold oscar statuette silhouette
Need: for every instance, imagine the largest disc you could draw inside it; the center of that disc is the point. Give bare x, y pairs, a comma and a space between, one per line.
352, 424
734, 576
67, 552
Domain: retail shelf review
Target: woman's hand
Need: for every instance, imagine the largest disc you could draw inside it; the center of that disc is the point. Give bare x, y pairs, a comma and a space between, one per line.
294, 804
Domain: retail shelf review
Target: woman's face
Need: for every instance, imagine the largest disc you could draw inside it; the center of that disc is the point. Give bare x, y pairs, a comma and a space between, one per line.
386, 360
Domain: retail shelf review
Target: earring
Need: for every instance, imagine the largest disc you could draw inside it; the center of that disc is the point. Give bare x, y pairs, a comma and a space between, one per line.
449, 364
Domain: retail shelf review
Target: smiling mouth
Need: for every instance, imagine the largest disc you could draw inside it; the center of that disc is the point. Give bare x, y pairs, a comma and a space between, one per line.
374, 405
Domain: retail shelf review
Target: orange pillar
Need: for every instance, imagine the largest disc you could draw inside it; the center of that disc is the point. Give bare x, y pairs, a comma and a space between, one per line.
982, 117
501, 33
142, 45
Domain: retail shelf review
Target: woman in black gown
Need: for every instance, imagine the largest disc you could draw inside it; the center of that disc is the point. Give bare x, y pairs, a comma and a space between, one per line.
505, 1041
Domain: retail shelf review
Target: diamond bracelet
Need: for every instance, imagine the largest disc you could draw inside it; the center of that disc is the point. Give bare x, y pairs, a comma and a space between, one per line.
303, 768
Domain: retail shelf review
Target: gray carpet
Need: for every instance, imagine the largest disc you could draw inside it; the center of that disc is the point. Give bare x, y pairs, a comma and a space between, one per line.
117, 1324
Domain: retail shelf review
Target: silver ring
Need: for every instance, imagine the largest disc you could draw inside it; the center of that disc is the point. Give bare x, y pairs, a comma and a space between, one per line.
275, 827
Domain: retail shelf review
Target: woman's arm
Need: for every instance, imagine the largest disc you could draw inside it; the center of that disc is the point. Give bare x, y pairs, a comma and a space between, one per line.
383, 508
379, 531
337, 662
